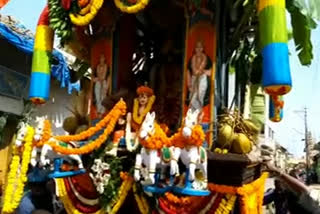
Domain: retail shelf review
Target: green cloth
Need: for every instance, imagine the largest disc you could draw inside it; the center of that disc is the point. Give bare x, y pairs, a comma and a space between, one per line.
273, 27
41, 61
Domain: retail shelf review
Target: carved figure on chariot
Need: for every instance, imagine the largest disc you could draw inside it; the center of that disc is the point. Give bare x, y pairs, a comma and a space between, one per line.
157, 163
187, 146
61, 164
125, 133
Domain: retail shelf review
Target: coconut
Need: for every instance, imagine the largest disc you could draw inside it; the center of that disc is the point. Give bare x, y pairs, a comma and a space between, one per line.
251, 126
241, 144
70, 124
225, 136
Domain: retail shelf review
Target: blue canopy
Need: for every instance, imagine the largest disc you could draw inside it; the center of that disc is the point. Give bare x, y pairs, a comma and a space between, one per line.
25, 43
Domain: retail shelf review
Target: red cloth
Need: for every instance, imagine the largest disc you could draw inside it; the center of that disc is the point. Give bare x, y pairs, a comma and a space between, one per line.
44, 17
3, 3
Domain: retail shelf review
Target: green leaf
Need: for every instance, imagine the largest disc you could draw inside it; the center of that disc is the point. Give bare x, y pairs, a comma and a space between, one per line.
290, 34
302, 23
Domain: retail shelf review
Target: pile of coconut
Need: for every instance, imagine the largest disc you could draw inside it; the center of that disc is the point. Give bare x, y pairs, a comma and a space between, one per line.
235, 134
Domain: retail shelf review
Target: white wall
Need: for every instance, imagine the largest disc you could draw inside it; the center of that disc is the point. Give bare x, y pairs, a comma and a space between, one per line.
11, 105
56, 107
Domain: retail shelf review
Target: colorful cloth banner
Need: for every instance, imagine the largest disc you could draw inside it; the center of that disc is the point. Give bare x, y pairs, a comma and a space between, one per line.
41, 66
276, 104
273, 40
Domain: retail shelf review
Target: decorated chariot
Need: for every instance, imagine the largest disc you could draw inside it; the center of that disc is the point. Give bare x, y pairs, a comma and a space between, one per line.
154, 141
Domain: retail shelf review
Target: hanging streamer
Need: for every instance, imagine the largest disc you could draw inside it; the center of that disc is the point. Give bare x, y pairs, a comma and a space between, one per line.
276, 104
273, 40
41, 66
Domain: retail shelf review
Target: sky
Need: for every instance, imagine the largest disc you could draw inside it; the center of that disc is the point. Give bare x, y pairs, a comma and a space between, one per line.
305, 90
305, 93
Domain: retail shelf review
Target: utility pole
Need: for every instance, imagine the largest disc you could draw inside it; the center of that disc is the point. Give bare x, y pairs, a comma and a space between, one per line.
306, 139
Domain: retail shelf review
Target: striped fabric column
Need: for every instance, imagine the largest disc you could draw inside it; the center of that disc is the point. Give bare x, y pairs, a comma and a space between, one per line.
40, 76
273, 40
276, 104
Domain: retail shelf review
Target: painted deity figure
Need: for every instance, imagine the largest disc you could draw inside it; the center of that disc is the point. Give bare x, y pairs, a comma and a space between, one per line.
101, 85
197, 77
141, 106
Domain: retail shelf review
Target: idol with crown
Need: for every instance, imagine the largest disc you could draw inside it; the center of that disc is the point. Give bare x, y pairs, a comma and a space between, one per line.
126, 129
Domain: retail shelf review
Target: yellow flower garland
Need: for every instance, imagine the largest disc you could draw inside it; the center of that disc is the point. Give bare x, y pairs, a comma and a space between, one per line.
123, 192
85, 17
14, 166
140, 118
252, 192
141, 201
226, 206
133, 8
111, 118
15, 188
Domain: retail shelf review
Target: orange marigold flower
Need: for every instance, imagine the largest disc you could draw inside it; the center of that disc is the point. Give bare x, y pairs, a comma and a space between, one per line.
156, 141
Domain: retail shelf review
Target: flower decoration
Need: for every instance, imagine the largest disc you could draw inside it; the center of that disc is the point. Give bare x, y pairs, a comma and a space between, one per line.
101, 174
87, 13
157, 140
139, 118
246, 192
196, 139
108, 123
17, 176
135, 8
46, 135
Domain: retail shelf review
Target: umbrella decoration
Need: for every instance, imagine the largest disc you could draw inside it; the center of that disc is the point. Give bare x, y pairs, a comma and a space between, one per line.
273, 40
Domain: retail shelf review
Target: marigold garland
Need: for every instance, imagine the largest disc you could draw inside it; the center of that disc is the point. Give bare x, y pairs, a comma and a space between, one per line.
14, 166
17, 179
157, 141
171, 203
119, 108
84, 19
245, 191
133, 8
113, 117
46, 135
182, 201
123, 191
226, 205
141, 201
83, 3
85, 9
196, 139
139, 119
